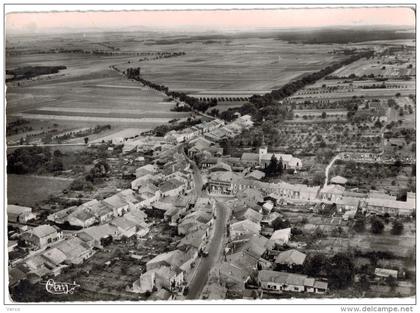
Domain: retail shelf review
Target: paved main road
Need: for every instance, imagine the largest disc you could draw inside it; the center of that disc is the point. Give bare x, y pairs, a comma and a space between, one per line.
215, 248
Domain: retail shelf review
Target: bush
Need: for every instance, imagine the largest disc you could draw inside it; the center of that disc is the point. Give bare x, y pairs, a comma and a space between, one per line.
81, 184
397, 228
359, 225
376, 226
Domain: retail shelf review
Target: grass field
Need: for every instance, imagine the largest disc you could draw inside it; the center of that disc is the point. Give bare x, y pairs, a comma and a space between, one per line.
27, 190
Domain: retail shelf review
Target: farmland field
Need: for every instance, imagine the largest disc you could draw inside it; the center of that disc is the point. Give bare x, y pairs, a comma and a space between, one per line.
27, 189
236, 67
89, 91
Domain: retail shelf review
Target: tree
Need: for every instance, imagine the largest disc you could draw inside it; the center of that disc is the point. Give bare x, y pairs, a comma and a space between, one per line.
57, 153
364, 283
271, 169
56, 165
397, 228
391, 282
401, 113
340, 271
280, 223
323, 115
359, 225
376, 226
86, 139
280, 167
315, 265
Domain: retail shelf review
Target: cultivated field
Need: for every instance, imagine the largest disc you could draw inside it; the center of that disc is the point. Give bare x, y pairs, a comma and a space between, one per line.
235, 67
28, 189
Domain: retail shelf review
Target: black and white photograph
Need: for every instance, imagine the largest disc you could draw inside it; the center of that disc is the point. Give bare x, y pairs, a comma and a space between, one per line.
210, 154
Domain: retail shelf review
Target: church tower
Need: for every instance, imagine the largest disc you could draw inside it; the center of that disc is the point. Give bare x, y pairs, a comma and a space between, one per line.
262, 150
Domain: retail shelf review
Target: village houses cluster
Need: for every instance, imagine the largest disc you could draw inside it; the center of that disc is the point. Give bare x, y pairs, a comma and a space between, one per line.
166, 188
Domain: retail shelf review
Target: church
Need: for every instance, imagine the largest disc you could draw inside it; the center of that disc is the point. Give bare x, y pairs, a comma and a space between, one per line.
263, 157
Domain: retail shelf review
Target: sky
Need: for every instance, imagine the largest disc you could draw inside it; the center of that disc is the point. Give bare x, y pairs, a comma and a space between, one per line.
211, 19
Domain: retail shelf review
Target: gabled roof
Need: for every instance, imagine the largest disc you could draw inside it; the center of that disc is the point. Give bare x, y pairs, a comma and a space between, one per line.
220, 166
258, 175
97, 232
43, 231
246, 226
54, 256
171, 184
281, 234
193, 239
332, 188
123, 223
340, 180
291, 257
173, 258
256, 246
73, 247
250, 157
17, 209
253, 216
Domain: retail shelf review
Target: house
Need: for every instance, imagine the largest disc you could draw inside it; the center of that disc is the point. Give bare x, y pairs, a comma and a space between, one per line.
95, 235
54, 256
102, 210
138, 182
189, 225
244, 228
148, 194
118, 204
138, 217
159, 278
173, 215
347, 204
81, 217
281, 236
288, 160
269, 219
290, 260
338, 180
392, 207
253, 216
331, 192
349, 215
383, 273
268, 206
208, 162
257, 175
19, 214
124, 226
42, 236
172, 187
231, 275
278, 282
173, 258
144, 170
219, 167
192, 240
250, 159
75, 249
